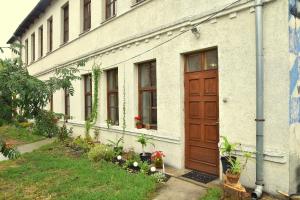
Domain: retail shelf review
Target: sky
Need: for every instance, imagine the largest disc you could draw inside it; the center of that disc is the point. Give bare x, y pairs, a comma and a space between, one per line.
12, 13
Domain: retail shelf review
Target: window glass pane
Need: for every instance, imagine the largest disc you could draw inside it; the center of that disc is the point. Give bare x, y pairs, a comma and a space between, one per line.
114, 115
154, 117
211, 58
193, 63
113, 100
146, 107
153, 74
88, 84
154, 99
89, 101
145, 76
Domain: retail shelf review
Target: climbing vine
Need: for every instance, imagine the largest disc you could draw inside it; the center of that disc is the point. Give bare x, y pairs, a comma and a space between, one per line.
96, 73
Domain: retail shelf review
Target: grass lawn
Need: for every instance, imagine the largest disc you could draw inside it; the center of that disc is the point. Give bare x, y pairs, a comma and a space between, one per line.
53, 173
18, 134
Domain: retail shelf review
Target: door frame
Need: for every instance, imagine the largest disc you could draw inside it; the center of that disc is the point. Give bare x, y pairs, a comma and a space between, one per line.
184, 104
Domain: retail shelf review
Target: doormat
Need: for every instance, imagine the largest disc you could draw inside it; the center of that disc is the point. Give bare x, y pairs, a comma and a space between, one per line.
200, 177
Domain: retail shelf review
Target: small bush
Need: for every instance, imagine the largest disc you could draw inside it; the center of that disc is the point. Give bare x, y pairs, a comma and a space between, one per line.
45, 124
101, 152
64, 133
21, 119
212, 194
1, 122
25, 124
82, 144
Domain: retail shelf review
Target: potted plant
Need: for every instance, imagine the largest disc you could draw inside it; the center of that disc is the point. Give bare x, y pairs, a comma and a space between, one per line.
118, 148
138, 122
236, 168
157, 158
227, 150
144, 140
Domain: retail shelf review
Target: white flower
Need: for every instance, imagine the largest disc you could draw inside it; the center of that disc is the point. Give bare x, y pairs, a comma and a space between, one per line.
153, 169
135, 164
119, 157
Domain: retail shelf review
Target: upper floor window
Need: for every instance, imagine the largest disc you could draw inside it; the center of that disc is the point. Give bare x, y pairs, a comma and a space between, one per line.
112, 96
147, 94
67, 104
32, 47
87, 96
86, 15
110, 8
50, 34
65, 23
26, 51
41, 41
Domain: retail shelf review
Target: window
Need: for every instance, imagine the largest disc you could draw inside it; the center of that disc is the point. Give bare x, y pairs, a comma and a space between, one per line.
26, 51
112, 96
67, 104
147, 94
50, 34
32, 47
110, 8
66, 23
86, 15
51, 102
205, 60
41, 40
87, 96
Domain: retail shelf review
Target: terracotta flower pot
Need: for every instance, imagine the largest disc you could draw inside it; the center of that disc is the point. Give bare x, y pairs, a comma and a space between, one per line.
232, 178
139, 126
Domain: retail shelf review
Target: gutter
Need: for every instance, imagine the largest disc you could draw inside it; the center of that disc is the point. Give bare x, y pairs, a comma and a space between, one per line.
259, 100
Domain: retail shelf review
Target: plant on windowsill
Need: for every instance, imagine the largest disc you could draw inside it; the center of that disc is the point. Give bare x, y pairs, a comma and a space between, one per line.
227, 150
157, 159
138, 122
236, 168
109, 123
144, 141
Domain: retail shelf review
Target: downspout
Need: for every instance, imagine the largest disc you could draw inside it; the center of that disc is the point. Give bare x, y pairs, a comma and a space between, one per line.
259, 100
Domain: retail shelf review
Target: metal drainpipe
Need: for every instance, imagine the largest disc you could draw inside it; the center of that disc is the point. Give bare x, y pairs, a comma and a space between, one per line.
259, 100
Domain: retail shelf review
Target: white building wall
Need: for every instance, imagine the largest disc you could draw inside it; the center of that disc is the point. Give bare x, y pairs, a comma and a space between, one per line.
141, 27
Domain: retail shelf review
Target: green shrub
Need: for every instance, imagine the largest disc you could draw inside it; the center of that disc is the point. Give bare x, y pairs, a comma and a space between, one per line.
45, 124
64, 133
82, 144
21, 119
101, 152
212, 194
1, 122
25, 124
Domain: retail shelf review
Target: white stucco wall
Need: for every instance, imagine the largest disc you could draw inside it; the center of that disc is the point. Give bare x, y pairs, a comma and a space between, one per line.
141, 27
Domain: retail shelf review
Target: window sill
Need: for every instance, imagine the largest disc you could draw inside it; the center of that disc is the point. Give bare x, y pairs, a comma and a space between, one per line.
84, 32
109, 19
138, 3
63, 44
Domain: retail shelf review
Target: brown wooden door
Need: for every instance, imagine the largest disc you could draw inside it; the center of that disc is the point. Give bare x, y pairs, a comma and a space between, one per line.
201, 121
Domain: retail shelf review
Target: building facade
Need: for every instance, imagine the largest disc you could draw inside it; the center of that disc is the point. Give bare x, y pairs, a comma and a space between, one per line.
189, 87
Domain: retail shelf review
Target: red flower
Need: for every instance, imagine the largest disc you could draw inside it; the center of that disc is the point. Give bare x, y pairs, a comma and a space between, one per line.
138, 118
157, 155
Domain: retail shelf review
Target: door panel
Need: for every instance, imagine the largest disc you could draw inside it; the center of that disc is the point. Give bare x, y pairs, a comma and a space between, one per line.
201, 121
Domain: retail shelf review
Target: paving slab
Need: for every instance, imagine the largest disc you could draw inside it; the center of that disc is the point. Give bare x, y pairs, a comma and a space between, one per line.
26, 148
179, 189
